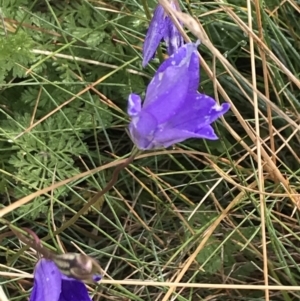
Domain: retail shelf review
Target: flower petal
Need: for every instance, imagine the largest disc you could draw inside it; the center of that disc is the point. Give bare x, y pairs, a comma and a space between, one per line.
198, 111
142, 129
207, 132
134, 105
175, 59
166, 92
168, 137
194, 72
47, 282
192, 121
155, 33
73, 290
172, 37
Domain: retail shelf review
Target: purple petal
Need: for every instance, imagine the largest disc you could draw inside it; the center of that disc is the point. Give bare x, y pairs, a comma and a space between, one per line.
96, 277
47, 282
194, 72
182, 59
168, 137
174, 60
73, 290
142, 129
207, 132
166, 92
134, 105
199, 111
193, 121
172, 37
155, 33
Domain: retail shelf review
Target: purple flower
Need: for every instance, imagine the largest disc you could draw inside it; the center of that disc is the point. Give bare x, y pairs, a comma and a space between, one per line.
173, 109
161, 27
51, 285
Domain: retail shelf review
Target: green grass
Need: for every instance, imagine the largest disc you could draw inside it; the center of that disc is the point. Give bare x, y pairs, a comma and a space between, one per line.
192, 213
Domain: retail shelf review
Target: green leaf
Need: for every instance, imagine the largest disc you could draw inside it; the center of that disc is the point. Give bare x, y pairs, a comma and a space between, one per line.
15, 54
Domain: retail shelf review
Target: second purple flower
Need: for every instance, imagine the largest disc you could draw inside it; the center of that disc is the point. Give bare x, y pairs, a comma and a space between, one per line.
51, 285
161, 27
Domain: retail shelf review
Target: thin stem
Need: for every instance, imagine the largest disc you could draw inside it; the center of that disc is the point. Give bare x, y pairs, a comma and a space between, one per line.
99, 194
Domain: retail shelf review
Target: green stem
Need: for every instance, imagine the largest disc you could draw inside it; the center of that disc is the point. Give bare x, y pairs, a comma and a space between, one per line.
98, 195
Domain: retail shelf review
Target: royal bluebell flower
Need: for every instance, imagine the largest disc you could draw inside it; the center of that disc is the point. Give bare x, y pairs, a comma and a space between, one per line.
51, 285
161, 27
173, 109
